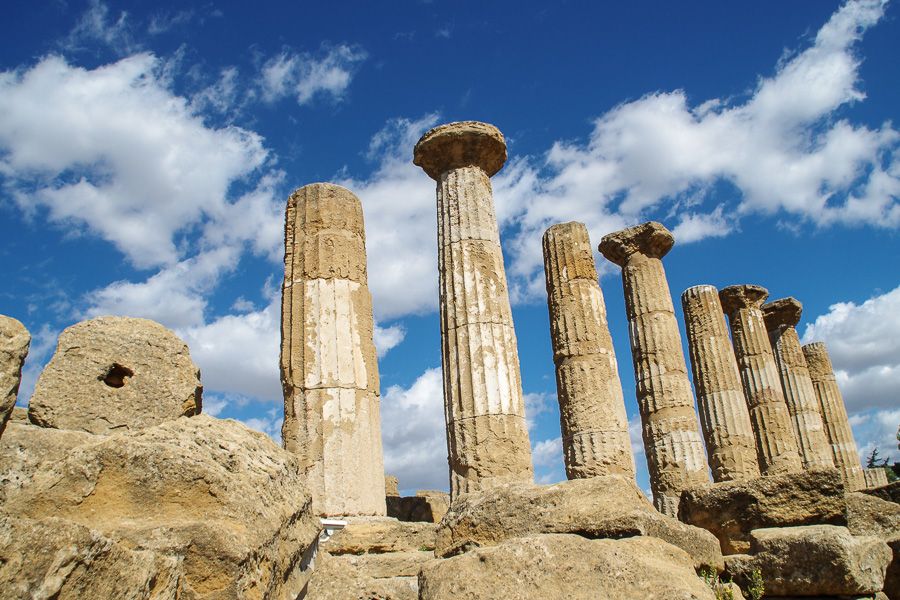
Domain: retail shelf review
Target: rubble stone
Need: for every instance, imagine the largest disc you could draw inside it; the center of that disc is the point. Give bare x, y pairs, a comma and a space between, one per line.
116, 373
14, 342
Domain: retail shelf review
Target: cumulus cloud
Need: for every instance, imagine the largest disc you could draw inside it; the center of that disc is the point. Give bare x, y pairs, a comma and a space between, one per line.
413, 433
387, 338
305, 76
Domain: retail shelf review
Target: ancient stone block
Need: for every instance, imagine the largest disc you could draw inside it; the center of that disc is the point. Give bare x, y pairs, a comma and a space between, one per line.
378, 535
540, 567
116, 373
781, 317
672, 441
14, 342
731, 510
813, 560
776, 443
428, 506
329, 370
484, 406
611, 506
876, 477
724, 418
592, 409
890, 492
834, 415
391, 486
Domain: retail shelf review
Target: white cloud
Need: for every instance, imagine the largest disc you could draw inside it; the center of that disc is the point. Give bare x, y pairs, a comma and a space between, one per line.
305, 76
270, 424
877, 429
96, 25
387, 338
165, 21
536, 404
413, 433
547, 453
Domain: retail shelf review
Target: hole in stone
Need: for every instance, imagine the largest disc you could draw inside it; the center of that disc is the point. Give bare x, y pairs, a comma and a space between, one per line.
117, 375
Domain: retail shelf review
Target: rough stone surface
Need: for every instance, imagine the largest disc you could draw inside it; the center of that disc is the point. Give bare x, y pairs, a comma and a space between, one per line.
55, 558
724, 418
776, 444
329, 370
380, 535
672, 441
541, 567
834, 415
223, 501
870, 515
116, 373
731, 510
391, 486
875, 478
599, 507
594, 424
335, 579
487, 437
14, 342
781, 317
813, 560
427, 505
889, 492
20, 414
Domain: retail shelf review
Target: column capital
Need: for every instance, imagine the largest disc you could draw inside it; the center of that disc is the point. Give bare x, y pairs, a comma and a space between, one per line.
784, 312
461, 144
736, 297
650, 239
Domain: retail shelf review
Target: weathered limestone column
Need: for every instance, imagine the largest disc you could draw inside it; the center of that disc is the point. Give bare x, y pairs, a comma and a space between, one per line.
781, 317
591, 406
834, 415
14, 343
876, 477
328, 366
487, 436
724, 418
775, 443
672, 440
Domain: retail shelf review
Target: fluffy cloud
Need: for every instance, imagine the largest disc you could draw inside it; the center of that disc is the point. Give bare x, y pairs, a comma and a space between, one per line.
413, 433
305, 76
877, 429
97, 26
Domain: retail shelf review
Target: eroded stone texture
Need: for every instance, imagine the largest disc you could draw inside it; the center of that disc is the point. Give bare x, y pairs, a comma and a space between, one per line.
834, 415
14, 342
487, 436
391, 486
724, 418
591, 406
115, 373
781, 317
875, 477
672, 440
776, 444
329, 369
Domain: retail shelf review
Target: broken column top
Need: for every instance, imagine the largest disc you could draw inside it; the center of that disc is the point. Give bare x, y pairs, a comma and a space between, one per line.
577, 260
784, 312
736, 297
651, 239
328, 206
462, 144
817, 359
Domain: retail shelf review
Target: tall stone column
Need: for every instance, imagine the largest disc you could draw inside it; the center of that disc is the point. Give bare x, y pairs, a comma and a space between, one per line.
672, 440
487, 436
724, 418
775, 443
781, 317
834, 415
329, 371
591, 406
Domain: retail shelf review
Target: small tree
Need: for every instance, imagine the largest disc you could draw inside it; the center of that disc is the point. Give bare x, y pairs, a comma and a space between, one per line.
874, 462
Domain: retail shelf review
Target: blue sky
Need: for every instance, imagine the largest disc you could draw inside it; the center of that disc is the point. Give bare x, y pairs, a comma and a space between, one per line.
147, 150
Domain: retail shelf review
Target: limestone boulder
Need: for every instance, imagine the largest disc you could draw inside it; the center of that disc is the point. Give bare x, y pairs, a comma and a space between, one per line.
732, 509
611, 506
812, 560
116, 373
56, 558
378, 535
14, 342
335, 579
223, 501
19, 413
870, 515
547, 566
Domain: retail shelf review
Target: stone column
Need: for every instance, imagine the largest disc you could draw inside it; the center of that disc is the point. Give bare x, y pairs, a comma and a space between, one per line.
328, 367
834, 415
487, 437
781, 317
14, 343
724, 417
775, 443
672, 440
591, 406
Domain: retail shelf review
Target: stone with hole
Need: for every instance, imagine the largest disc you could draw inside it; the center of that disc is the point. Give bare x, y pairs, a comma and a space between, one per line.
116, 373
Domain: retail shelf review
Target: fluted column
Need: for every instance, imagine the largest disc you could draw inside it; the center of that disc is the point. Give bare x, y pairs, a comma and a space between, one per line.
591, 406
329, 371
487, 436
834, 415
781, 318
672, 440
724, 417
875, 477
775, 443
